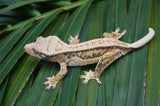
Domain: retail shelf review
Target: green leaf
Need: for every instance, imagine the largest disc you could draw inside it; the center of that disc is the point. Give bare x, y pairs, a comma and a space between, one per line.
138, 70
18, 51
55, 25
62, 3
92, 28
19, 4
19, 78
75, 22
23, 95
4, 26
122, 81
2, 89
8, 43
117, 10
72, 27
52, 28
128, 89
37, 18
152, 87
38, 91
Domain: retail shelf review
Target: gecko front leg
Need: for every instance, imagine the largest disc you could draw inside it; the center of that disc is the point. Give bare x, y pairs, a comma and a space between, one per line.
52, 81
115, 34
103, 62
74, 40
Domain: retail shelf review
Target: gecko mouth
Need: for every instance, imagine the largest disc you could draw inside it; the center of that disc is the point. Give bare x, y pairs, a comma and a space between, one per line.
41, 55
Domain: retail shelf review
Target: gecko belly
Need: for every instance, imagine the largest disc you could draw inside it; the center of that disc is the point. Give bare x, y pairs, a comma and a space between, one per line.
76, 61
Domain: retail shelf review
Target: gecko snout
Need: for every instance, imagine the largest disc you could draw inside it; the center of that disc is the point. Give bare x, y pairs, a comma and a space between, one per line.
28, 49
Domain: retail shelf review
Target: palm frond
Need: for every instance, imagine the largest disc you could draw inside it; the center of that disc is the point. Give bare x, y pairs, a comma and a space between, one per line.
133, 80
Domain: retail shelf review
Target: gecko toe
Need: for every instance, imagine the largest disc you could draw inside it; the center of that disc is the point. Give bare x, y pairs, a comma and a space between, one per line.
85, 81
99, 82
82, 76
46, 82
48, 87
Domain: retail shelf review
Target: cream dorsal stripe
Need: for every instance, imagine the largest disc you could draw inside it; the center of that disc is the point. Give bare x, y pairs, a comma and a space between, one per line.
143, 40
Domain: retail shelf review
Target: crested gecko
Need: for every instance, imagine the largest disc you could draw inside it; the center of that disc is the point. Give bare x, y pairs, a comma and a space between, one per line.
102, 51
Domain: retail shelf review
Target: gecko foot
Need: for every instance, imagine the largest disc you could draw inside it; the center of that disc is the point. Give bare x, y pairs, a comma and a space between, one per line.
74, 40
90, 75
51, 82
114, 34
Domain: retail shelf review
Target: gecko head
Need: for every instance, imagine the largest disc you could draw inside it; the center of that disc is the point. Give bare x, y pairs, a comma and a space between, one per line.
43, 47
36, 48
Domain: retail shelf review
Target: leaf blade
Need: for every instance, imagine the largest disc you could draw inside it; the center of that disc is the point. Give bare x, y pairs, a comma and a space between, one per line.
19, 4
11, 40
152, 93
19, 79
18, 51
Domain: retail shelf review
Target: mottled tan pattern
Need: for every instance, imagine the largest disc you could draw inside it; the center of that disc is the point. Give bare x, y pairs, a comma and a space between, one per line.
102, 51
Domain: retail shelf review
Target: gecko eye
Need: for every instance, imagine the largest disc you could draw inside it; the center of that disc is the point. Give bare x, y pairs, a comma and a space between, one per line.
39, 38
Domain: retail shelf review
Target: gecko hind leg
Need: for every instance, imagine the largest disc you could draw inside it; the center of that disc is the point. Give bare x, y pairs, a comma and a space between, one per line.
95, 75
115, 34
52, 81
74, 40
103, 62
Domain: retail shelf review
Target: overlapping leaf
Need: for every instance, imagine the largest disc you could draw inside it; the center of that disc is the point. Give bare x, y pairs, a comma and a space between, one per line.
19, 79
18, 4
18, 50
8, 42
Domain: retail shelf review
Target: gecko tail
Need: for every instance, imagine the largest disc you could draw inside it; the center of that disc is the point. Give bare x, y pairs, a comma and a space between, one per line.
144, 40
